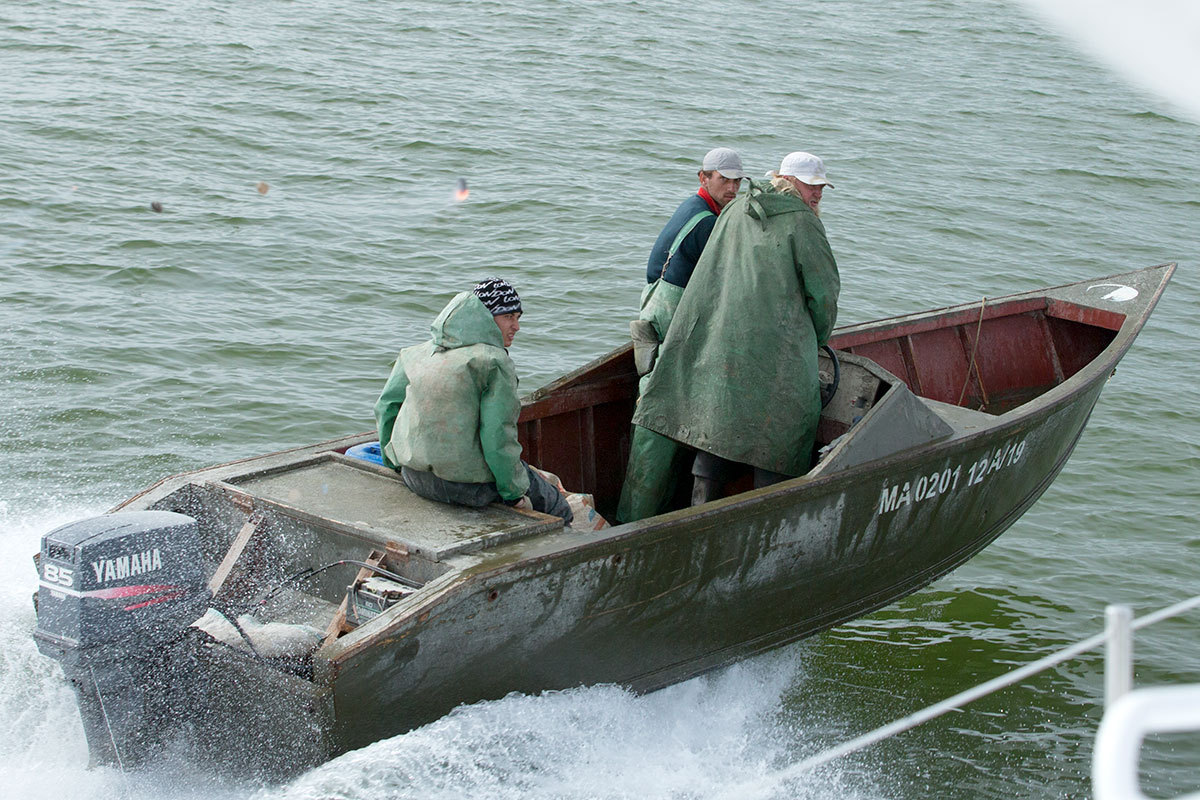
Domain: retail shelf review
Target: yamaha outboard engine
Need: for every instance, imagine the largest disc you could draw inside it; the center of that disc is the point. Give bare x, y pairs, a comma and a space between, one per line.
115, 596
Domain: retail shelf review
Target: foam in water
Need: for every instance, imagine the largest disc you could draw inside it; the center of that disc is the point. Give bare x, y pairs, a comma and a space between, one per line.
42, 746
709, 737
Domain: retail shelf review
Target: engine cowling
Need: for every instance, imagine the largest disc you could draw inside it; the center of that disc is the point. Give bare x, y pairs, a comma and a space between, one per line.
116, 591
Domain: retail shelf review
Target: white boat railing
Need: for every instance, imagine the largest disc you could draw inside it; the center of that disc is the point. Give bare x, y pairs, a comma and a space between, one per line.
1129, 714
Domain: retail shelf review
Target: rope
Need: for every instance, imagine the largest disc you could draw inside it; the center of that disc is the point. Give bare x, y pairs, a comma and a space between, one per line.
111, 737
972, 365
304, 574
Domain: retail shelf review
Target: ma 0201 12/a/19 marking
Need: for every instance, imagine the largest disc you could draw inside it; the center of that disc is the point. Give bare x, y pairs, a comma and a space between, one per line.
895, 496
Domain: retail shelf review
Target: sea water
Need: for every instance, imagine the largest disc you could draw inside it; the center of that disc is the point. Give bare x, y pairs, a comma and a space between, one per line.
219, 222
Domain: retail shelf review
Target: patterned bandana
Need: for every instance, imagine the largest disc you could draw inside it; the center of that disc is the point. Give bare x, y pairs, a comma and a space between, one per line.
498, 296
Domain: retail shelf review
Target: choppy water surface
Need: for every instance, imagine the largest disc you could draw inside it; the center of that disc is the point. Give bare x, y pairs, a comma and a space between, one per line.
974, 153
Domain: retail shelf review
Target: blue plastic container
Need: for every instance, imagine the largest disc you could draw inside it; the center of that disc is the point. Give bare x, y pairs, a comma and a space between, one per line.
367, 451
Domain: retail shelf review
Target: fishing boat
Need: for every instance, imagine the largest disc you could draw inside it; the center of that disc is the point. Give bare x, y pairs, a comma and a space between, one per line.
941, 429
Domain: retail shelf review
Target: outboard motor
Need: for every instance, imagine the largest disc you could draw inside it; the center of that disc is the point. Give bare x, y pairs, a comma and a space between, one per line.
116, 594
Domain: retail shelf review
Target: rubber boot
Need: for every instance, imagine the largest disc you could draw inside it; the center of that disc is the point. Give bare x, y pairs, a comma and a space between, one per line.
649, 477
705, 490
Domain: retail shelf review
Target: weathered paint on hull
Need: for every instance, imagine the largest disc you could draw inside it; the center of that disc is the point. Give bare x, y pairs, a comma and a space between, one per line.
748, 575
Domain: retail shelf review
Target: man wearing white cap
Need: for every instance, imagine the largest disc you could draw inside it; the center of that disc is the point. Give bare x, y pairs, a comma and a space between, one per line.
805, 173
682, 239
678, 248
736, 377
672, 260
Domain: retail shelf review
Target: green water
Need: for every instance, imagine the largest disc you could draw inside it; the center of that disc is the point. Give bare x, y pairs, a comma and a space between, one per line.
974, 153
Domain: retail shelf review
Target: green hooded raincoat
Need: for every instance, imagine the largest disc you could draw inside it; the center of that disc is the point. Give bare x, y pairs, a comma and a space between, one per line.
450, 406
737, 373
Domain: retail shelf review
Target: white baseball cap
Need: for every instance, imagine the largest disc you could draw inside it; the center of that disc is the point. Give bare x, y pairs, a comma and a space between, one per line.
725, 161
806, 167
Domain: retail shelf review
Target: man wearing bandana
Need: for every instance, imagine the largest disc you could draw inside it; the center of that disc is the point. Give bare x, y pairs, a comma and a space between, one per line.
447, 416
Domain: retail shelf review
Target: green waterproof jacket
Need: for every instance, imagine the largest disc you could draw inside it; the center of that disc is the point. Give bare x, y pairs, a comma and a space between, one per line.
737, 373
450, 406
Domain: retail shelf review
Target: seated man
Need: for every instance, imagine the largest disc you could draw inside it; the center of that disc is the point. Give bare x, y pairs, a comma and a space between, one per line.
448, 415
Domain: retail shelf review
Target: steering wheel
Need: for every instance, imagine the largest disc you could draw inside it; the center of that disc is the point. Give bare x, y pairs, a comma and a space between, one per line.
828, 390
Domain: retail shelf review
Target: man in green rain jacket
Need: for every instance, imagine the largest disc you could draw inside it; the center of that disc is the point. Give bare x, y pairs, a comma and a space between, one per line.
447, 416
737, 374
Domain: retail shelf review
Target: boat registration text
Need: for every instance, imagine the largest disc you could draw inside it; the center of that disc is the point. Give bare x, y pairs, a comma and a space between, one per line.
896, 495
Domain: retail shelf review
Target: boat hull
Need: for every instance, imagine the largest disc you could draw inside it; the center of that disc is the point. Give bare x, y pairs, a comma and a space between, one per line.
747, 575
927, 461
